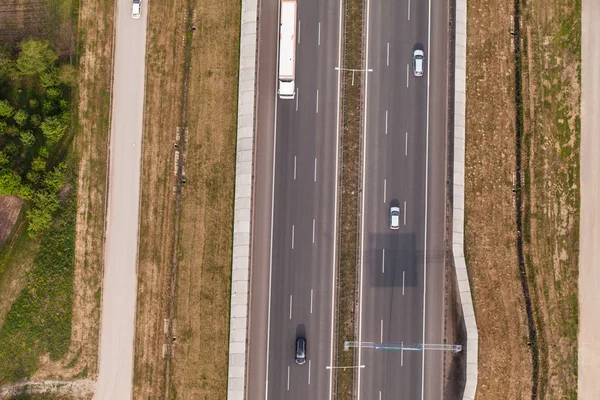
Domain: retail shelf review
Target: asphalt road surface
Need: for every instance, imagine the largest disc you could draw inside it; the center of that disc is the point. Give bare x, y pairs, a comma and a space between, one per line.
402, 271
589, 256
293, 248
119, 289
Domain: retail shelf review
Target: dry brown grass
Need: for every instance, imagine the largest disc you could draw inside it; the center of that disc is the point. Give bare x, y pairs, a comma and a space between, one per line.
551, 161
505, 366
201, 326
203, 286
162, 115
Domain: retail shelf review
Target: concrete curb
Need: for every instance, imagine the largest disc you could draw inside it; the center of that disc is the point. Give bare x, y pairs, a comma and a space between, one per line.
236, 379
458, 201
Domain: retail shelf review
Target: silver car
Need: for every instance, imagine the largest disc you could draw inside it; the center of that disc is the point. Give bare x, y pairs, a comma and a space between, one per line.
136, 9
418, 60
394, 217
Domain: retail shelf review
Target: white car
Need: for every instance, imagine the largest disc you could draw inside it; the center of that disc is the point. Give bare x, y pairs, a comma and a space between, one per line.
418, 58
136, 9
394, 218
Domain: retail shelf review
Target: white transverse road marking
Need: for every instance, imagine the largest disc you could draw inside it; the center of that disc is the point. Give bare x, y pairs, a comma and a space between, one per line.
119, 288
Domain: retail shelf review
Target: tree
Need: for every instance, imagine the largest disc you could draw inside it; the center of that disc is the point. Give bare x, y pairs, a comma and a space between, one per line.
6, 109
36, 56
67, 74
3, 127
40, 215
27, 138
53, 129
7, 67
10, 183
21, 117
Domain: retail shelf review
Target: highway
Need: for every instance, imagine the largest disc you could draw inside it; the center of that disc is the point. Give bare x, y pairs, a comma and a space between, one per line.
119, 289
294, 208
402, 271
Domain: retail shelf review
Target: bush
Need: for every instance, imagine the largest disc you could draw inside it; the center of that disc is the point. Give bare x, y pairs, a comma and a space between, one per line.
53, 129
6, 109
27, 138
20, 117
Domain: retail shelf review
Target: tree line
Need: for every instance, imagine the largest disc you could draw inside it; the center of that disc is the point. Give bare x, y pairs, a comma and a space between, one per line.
35, 120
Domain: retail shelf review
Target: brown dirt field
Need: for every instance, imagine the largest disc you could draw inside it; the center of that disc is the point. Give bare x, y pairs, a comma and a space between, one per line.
21, 19
551, 143
10, 208
162, 115
90, 149
505, 366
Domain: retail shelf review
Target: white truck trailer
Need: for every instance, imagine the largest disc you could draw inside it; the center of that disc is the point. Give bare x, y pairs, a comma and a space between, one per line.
287, 50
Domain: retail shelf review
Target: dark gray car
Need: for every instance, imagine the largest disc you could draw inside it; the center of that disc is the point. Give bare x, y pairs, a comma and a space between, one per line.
300, 350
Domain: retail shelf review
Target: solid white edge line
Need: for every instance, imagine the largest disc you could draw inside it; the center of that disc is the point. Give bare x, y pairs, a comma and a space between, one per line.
362, 218
272, 214
426, 191
337, 159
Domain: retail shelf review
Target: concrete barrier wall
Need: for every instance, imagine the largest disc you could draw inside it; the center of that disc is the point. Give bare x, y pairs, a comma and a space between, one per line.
240, 263
458, 212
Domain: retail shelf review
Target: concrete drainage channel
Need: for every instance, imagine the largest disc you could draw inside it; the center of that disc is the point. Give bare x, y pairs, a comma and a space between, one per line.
458, 201
238, 328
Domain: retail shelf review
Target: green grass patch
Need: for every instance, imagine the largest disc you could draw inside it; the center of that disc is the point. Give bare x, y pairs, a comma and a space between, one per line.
39, 322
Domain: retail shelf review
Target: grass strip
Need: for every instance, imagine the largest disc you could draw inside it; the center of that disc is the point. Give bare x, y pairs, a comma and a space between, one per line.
39, 322
349, 245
